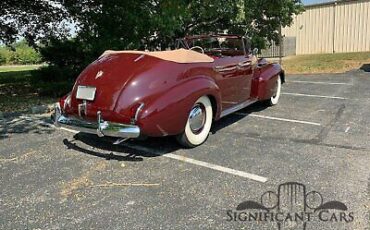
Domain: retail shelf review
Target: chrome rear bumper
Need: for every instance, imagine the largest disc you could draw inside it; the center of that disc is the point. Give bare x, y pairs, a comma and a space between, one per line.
100, 127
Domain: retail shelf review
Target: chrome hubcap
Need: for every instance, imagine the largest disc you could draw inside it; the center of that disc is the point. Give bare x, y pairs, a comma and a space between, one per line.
197, 118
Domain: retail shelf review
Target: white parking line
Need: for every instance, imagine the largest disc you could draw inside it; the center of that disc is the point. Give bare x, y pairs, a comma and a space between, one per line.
44, 123
217, 167
69, 130
321, 82
193, 161
312, 95
202, 163
280, 119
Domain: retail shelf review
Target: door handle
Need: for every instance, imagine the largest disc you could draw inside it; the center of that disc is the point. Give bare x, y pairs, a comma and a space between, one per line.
244, 63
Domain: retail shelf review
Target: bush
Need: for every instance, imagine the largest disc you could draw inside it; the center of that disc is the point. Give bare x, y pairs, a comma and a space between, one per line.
66, 60
27, 56
2, 58
53, 80
21, 55
53, 89
53, 73
68, 54
4, 55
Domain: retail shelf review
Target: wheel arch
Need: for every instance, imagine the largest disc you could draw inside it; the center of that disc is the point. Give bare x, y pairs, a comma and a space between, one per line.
282, 76
215, 105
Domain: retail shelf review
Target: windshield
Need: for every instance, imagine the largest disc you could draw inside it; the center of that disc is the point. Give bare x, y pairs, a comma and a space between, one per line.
215, 46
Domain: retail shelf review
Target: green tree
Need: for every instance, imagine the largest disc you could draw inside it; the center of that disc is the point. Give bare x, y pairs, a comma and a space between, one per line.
133, 24
261, 20
176, 18
19, 53
32, 20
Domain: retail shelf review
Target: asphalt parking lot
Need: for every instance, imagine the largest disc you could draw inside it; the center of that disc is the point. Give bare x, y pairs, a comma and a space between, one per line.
318, 135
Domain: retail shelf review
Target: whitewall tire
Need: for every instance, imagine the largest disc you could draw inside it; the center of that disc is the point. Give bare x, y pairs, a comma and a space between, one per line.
198, 125
275, 98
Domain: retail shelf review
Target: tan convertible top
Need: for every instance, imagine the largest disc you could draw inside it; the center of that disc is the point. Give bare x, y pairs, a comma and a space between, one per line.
178, 56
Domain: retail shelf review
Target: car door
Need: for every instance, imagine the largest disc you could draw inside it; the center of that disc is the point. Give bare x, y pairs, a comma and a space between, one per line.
246, 66
235, 79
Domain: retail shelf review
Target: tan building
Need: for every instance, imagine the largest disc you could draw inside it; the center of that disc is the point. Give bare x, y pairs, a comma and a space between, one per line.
335, 27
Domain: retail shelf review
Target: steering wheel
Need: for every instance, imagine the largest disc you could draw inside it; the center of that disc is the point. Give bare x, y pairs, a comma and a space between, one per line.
197, 47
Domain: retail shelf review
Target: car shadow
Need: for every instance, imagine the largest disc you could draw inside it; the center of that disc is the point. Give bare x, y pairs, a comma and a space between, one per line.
137, 150
131, 154
365, 67
235, 117
131, 150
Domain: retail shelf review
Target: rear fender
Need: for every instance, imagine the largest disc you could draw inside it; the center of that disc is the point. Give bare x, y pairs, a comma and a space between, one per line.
168, 113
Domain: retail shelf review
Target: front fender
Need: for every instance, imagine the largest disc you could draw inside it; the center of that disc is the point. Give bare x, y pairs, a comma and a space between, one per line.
264, 81
168, 113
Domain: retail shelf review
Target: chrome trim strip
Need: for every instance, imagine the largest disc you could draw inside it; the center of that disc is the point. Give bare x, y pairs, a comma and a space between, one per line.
225, 68
138, 110
67, 101
238, 107
140, 57
230, 102
101, 127
245, 63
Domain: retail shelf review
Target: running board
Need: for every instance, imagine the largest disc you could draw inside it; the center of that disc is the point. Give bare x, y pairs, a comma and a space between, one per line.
237, 107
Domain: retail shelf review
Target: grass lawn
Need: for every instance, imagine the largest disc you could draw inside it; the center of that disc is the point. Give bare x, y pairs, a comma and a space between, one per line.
16, 92
16, 68
325, 63
16, 73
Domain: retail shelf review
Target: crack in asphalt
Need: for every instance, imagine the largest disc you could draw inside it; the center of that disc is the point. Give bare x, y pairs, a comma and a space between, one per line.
325, 131
314, 141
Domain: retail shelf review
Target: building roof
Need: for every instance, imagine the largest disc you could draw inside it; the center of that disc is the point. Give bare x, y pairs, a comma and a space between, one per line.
313, 3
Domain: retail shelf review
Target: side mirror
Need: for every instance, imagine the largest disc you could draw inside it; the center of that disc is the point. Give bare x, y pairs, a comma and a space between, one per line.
255, 51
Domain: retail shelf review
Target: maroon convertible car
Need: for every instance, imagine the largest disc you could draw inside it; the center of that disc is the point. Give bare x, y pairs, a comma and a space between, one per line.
129, 94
